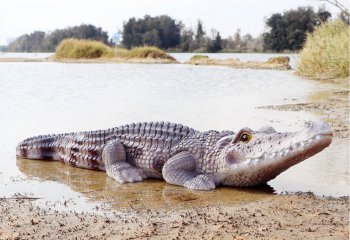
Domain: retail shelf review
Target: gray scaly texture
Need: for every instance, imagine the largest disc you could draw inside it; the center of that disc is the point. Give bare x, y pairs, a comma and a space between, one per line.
182, 155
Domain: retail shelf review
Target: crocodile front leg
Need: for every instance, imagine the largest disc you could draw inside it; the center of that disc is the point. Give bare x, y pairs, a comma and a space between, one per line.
181, 170
114, 157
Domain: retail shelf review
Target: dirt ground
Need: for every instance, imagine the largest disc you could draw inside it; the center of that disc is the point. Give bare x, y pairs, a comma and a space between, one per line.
277, 63
291, 216
277, 217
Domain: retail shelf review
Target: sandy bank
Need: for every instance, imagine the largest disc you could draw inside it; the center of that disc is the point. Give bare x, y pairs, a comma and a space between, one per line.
332, 106
277, 63
22, 59
276, 217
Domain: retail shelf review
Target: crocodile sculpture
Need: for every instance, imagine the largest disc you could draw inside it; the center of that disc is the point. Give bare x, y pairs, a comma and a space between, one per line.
182, 155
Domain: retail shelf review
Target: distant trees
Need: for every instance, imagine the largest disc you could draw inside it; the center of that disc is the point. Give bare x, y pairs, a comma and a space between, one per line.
33, 42
161, 31
288, 30
215, 45
200, 35
41, 42
187, 42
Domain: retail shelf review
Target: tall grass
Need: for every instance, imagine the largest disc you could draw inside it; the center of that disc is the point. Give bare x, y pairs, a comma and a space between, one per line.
326, 52
75, 48
147, 52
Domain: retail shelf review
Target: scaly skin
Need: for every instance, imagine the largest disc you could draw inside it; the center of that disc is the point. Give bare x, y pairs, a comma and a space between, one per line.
181, 155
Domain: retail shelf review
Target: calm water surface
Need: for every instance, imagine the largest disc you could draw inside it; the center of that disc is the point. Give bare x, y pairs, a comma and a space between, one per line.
42, 98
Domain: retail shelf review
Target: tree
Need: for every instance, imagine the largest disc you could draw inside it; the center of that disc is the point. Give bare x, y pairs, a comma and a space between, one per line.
161, 31
323, 14
151, 38
344, 10
200, 35
187, 43
41, 42
288, 31
216, 44
237, 39
28, 43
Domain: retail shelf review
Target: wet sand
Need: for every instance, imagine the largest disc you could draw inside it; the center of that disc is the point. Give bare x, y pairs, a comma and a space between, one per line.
268, 216
275, 63
277, 217
332, 106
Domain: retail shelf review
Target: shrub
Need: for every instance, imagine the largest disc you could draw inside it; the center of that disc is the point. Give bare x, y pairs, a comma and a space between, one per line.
74, 48
147, 52
198, 57
326, 52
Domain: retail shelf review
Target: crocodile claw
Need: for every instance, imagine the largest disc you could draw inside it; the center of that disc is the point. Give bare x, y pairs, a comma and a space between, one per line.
200, 182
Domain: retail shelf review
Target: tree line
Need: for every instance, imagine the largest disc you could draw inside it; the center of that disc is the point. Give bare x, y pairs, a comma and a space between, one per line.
41, 42
285, 31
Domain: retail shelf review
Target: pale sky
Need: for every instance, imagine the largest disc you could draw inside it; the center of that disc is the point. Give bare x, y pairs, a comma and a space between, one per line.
18, 17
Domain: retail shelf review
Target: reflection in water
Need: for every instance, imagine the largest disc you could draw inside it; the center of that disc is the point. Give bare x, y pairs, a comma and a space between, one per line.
97, 186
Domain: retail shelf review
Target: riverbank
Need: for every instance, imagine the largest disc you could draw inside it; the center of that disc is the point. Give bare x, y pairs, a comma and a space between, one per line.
332, 106
275, 63
277, 217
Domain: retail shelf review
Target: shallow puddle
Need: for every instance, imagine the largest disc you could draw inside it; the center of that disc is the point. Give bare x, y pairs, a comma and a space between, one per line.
96, 186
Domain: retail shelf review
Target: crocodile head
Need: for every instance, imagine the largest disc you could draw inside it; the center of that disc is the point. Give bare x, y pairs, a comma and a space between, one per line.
254, 157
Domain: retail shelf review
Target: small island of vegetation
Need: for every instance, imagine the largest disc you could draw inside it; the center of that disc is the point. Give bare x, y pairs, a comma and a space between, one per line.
277, 63
70, 50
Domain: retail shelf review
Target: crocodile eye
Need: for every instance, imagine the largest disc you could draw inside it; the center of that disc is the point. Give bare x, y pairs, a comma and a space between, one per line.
245, 137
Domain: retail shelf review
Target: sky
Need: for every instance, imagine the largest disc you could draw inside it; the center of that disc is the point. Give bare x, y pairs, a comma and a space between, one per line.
18, 17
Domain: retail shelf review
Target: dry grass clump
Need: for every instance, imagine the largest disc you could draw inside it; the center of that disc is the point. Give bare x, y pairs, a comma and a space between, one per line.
279, 60
198, 57
76, 48
148, 52
326, 52
88, 49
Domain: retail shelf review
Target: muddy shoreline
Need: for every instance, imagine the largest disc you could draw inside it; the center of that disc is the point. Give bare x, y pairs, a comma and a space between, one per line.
277, 217
272, 64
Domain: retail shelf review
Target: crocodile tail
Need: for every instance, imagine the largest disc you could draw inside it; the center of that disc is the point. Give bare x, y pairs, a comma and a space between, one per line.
40, 147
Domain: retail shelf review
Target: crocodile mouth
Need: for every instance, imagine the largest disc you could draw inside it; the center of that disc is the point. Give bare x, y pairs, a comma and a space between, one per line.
292, 154
296, 152
254, 171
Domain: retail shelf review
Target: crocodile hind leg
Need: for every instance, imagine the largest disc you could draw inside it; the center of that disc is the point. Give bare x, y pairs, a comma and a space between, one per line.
181, 170
114, 157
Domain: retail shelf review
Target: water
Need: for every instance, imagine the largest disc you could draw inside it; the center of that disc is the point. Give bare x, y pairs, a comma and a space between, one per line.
24, 55
42, 98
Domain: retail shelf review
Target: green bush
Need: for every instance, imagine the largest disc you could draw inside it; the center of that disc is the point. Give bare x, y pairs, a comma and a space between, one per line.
326, 52
75, 48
